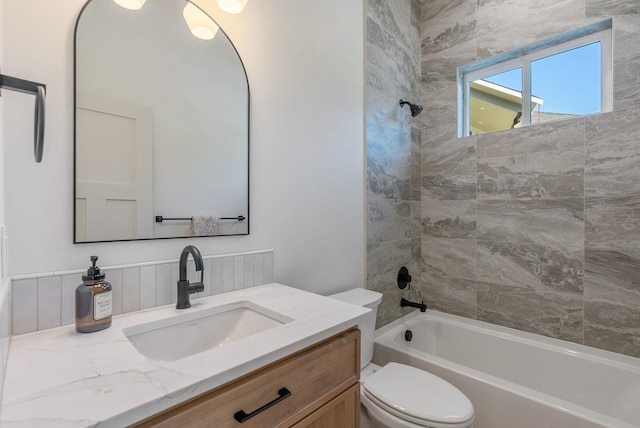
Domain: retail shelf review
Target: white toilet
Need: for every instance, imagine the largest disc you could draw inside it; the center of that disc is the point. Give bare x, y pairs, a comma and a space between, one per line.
401, 396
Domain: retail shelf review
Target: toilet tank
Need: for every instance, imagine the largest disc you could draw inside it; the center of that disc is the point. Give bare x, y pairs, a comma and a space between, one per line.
369, 299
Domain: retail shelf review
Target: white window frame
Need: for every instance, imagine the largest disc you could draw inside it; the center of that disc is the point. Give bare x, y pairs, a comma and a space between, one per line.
523, 57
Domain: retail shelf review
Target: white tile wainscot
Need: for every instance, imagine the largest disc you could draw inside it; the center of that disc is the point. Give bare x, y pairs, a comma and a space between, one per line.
60, 378
5, 327
42, 301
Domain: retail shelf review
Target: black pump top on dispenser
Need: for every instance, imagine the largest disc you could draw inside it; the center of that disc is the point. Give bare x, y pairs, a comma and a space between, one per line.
93, 273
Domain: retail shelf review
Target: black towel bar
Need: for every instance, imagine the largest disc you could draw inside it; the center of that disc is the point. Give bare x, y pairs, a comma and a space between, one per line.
160, 219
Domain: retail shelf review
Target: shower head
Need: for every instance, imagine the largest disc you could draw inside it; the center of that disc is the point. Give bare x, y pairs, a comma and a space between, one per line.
415, 109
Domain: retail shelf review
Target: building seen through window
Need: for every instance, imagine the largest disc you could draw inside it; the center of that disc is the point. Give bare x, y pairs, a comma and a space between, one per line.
559, 81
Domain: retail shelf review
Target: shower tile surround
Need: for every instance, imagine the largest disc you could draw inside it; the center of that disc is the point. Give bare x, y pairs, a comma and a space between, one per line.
135, 287
536, 228
393, 151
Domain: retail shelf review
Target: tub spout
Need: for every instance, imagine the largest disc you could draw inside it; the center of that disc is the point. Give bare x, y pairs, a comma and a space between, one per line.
422, 306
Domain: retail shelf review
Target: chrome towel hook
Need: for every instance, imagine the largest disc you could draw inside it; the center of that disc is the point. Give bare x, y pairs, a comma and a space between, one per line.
39, 90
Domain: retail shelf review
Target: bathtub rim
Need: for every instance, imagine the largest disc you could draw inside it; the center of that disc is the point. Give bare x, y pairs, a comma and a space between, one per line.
385, 336
575, 349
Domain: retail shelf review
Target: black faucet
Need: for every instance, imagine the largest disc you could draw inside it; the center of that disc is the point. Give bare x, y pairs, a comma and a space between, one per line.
184, 287
422, 306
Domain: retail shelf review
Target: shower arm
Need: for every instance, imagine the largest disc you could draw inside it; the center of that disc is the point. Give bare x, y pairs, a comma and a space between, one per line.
415, 109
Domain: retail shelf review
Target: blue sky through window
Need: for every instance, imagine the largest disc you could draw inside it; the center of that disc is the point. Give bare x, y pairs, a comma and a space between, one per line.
511, 79
568, 82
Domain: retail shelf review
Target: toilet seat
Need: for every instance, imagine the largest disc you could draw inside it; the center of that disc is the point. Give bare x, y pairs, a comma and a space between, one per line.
417, 397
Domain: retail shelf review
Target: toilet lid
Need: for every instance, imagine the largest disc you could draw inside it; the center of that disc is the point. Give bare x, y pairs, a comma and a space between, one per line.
408, 391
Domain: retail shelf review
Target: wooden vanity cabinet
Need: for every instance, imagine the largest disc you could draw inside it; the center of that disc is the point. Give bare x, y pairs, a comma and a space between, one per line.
313, 388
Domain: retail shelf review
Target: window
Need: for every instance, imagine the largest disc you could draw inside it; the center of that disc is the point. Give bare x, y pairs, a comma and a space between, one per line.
567, 76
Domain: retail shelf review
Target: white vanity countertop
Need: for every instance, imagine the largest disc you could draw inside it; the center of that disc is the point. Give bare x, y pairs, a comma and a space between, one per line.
61, 378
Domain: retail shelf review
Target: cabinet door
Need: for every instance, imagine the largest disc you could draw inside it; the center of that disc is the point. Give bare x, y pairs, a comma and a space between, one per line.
311, 378
341, 412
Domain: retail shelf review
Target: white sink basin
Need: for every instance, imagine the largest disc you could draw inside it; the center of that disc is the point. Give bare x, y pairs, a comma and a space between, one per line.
195, 331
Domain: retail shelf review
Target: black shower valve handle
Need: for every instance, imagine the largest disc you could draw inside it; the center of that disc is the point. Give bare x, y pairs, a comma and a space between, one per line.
404, 279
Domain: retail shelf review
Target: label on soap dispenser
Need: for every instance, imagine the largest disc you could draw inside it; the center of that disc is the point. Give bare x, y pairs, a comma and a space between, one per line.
102, 307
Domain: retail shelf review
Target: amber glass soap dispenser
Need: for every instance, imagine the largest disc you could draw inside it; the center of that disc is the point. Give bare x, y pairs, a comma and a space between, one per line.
93, 301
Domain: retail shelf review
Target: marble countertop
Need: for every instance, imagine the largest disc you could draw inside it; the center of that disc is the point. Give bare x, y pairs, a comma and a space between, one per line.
61, 378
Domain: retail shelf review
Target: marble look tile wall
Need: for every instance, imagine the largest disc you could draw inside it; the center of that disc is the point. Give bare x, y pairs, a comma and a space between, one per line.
393, 150
135, 287
535, 228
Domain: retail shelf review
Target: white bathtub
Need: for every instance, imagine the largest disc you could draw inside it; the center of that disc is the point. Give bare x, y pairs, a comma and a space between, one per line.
517, 379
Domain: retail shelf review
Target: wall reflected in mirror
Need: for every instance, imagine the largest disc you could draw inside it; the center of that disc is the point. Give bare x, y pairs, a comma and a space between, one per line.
161, 126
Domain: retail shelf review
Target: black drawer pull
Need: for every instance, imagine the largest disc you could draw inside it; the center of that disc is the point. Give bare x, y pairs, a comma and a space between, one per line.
241, 416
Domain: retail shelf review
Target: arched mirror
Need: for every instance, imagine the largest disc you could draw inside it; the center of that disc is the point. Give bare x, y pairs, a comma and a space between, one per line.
161, 124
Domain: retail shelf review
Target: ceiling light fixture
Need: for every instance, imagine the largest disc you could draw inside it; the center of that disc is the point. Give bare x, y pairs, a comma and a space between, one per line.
200, 24
232, 6
130, 4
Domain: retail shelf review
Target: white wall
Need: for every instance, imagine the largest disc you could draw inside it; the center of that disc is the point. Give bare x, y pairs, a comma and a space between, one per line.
2, 173
305, 66
3, 251
2, 215
5, 310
